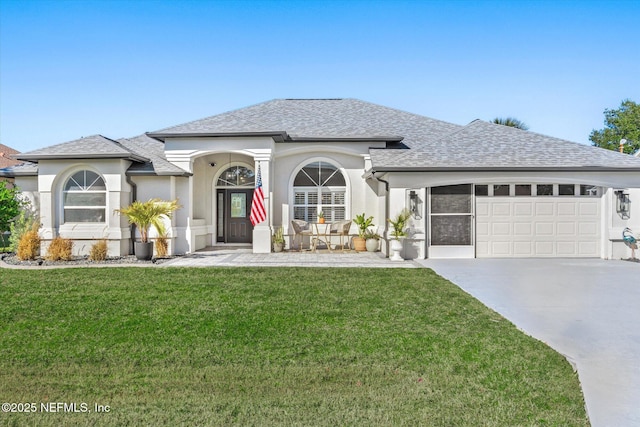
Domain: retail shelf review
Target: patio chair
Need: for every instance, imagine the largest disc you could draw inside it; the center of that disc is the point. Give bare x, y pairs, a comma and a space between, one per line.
341, 228
301, 229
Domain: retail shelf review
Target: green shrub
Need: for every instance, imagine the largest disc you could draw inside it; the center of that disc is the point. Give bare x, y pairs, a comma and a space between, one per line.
24, 222
60, 249
99, 251
29, 244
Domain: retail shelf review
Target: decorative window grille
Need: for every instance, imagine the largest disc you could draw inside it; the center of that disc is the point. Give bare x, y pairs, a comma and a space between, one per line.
85, 198
319, 186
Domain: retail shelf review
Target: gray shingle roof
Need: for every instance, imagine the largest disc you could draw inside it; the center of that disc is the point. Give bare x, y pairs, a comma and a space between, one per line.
141, 147
432, 144
154, 151
492, 146
427, 144
90, 147
315, 119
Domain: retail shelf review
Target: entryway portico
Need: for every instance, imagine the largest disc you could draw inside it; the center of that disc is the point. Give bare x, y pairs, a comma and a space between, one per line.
217, 196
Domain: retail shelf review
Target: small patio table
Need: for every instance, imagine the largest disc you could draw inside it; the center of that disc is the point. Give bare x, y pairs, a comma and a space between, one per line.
322, 233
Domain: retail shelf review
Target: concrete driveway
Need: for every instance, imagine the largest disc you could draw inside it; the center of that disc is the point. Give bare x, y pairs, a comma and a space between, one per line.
586, 309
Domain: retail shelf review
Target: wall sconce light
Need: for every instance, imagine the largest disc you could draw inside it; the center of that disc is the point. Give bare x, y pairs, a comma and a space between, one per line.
623, 204
212, 164
415, 204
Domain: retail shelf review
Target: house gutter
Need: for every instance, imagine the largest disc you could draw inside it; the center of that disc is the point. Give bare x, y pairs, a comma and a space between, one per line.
134, 196
386, 202
510, 169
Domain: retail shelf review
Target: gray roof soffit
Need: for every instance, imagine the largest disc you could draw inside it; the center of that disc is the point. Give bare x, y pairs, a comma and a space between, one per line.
346, 139
161, 136
277, 136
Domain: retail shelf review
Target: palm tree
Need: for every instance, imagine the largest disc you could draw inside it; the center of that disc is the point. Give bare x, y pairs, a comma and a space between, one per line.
512, 122
146, 214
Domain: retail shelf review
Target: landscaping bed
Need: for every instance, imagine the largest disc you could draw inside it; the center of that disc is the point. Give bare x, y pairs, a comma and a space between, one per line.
79, 261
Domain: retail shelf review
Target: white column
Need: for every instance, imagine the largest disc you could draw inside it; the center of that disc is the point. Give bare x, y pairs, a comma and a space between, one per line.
262, 231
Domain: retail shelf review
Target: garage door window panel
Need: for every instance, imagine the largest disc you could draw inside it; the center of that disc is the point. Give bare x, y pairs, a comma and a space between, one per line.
523, 189
544, 190
566, 190
501, 189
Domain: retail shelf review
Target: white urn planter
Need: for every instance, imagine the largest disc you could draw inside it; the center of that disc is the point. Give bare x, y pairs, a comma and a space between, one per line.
396, 248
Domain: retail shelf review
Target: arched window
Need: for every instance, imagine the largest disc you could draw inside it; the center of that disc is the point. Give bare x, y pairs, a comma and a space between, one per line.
85, 198
237, 176
319, 186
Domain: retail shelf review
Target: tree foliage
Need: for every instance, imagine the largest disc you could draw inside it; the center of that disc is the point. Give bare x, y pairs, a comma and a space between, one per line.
10, 205
511, 122
621, 123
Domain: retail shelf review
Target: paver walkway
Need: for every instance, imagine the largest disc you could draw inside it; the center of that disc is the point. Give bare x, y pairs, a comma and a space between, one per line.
245, 258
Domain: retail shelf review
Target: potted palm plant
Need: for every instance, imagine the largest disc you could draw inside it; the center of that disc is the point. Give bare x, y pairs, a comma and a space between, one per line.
359, 243
399, 225
144, 215
278, 240
320, 217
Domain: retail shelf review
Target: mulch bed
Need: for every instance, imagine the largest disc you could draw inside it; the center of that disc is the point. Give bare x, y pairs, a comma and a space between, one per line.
79, 261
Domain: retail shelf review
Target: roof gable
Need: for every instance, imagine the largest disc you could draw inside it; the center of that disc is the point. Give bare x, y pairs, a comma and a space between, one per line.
153, 149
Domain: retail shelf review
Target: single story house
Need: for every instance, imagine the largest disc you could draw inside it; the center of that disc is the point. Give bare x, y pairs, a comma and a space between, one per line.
480, 190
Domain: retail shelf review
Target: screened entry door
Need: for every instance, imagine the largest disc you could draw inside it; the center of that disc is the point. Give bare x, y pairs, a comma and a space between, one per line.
451, 222
234, 209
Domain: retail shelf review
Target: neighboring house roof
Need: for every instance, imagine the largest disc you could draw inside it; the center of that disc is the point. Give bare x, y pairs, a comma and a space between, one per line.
90, 147
6, 159
154, 150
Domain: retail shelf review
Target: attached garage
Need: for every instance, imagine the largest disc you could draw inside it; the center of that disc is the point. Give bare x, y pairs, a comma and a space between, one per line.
538, 226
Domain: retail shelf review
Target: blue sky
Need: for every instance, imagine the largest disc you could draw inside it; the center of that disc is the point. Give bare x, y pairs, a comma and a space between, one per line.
120, 68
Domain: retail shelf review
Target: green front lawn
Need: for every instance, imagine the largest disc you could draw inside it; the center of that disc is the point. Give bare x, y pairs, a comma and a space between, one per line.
270, 346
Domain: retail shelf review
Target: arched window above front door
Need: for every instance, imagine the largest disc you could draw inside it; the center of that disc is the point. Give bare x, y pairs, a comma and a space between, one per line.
319, 186
84, 198
237, 176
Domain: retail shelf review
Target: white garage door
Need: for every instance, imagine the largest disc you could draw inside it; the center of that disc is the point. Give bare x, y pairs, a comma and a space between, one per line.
537, 227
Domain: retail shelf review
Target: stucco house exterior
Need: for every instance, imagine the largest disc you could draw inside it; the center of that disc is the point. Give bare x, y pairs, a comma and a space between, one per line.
479, 190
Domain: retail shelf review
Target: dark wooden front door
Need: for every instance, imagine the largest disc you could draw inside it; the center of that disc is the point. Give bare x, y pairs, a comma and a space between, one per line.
235, 209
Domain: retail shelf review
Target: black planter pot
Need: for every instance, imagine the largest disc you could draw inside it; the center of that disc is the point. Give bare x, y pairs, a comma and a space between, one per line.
143, 251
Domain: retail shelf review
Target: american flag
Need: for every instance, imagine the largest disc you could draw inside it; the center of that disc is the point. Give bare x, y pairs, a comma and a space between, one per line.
258, 212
